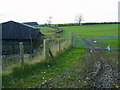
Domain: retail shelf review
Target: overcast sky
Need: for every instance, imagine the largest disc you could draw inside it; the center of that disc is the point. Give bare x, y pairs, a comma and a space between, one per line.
62, 11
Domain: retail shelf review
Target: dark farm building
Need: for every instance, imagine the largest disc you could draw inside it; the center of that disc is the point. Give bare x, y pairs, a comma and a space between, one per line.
31, 23
13, 33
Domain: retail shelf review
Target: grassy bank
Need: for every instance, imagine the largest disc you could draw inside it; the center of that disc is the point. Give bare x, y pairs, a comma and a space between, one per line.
38, 73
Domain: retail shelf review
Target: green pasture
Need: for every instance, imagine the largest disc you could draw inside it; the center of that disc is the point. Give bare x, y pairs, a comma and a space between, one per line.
45, 29
102, 29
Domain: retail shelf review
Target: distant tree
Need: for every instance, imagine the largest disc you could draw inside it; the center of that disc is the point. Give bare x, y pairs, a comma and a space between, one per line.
49, 20
79, 18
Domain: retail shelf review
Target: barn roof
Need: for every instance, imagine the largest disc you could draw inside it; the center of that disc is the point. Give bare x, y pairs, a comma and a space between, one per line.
22, 24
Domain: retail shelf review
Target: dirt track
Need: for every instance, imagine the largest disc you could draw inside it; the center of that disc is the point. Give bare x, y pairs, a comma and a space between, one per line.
105, 74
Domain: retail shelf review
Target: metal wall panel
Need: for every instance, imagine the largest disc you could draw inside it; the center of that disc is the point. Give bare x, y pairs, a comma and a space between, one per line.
13, 30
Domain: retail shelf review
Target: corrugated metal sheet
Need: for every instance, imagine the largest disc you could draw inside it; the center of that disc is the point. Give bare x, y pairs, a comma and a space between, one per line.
15, 30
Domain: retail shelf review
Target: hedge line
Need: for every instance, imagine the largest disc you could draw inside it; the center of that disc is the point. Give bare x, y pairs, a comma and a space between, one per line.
75, 24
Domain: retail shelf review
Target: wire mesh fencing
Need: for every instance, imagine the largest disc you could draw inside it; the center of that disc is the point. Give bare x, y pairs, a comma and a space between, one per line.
54, 47
50, 48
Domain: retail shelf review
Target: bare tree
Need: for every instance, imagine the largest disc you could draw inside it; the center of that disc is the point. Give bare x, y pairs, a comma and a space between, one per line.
49, 20
78, 18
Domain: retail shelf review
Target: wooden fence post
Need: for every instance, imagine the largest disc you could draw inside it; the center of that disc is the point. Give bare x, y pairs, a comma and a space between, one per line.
22, 55
46, 49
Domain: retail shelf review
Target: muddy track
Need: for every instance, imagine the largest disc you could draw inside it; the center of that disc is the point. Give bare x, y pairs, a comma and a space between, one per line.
104, 76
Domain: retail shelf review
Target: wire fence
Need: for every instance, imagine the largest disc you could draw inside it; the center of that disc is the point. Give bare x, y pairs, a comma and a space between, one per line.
50, 48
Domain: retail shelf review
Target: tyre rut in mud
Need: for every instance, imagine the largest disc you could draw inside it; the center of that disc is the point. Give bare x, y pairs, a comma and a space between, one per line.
103, 74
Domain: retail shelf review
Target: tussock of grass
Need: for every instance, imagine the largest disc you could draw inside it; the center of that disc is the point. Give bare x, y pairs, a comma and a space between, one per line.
40, 71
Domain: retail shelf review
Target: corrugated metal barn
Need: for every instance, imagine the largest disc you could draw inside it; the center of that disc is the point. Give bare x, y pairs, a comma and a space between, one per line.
13, 33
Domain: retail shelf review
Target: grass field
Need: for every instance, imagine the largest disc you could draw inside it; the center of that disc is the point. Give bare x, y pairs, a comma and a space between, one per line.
101, 29
104, 29
44, 29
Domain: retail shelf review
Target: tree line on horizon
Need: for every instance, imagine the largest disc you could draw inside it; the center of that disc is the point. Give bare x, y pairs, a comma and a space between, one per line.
77, 24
